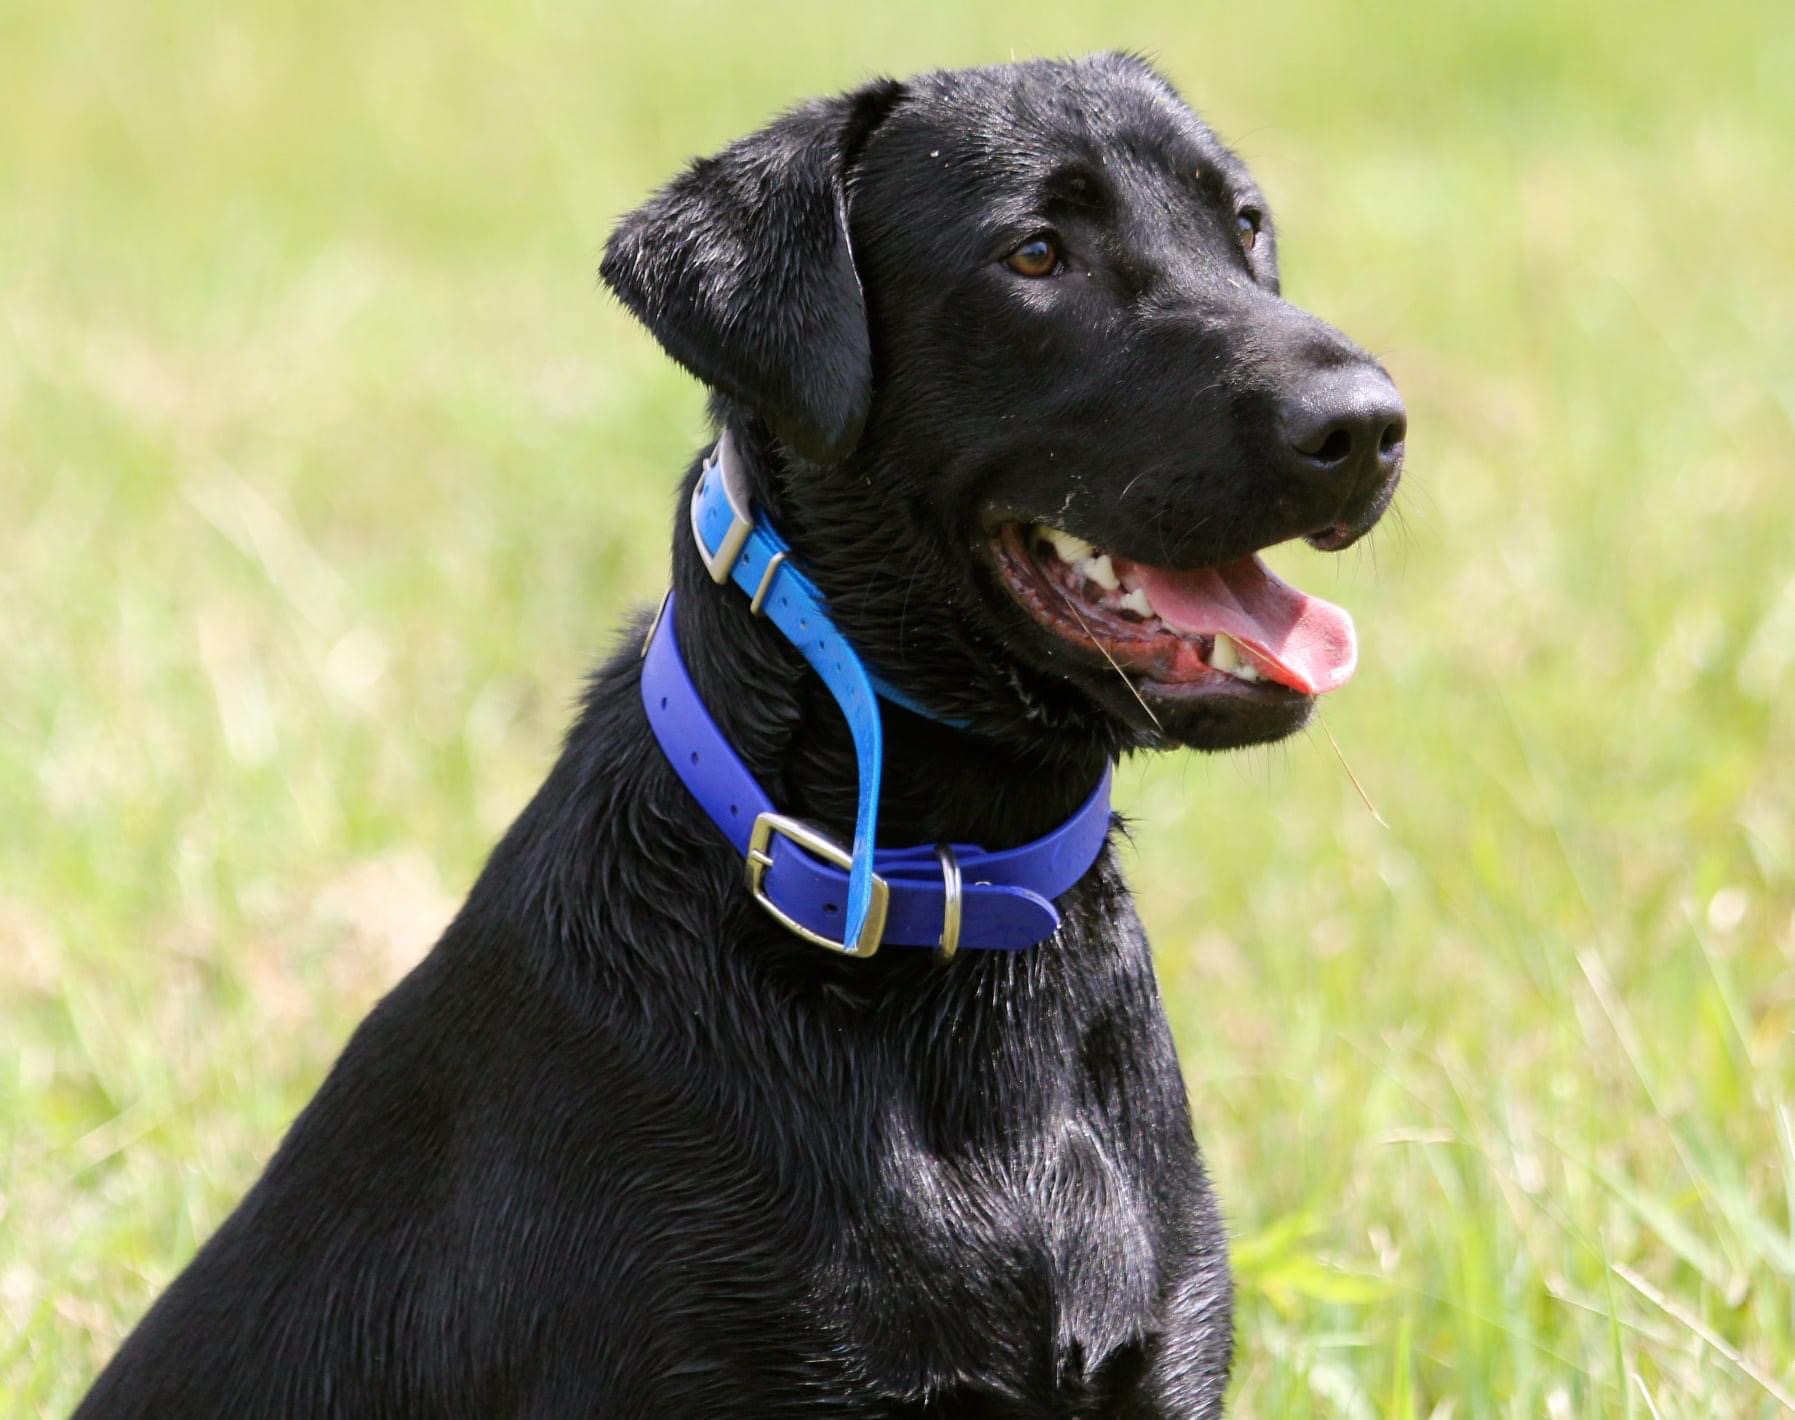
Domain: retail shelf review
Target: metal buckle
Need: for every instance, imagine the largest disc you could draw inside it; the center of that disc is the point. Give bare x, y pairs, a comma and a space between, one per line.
760, 858
951, 903
722, 562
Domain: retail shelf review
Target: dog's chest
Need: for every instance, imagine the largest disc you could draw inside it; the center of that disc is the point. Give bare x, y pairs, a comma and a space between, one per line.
985, 1182
1021, 1259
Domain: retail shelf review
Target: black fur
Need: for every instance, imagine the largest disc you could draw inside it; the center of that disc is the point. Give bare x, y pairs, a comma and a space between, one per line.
619, 1145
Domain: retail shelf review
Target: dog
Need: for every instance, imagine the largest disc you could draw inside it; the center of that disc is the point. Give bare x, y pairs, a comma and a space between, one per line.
999, 361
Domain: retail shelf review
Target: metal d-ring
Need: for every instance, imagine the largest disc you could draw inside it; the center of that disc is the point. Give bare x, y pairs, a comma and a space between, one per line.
951, 902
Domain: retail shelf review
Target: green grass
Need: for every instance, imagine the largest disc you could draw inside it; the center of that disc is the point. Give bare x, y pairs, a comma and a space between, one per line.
325, 472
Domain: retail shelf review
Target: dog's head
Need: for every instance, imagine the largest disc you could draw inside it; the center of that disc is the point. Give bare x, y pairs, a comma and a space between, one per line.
1013, 338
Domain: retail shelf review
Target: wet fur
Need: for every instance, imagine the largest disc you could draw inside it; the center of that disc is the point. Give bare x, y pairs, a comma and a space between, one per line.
618, 1145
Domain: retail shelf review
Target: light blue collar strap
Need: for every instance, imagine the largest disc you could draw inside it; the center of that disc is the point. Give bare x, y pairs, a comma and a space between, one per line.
944, 895
948, 896
739, 546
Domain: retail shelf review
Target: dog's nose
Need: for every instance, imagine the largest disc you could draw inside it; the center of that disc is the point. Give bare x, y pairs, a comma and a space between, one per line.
1345, 429
1342, 420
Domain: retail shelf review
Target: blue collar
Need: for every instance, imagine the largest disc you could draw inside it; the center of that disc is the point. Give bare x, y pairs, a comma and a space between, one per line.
944, 896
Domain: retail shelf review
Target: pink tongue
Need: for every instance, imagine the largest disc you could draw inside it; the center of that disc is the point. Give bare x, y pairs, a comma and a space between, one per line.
1299, 640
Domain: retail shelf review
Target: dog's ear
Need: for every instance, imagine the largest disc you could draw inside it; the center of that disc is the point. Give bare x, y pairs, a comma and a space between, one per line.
741, 267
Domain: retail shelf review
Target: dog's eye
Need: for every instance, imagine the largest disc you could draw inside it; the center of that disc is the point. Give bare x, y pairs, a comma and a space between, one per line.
1246, 222
1038, 256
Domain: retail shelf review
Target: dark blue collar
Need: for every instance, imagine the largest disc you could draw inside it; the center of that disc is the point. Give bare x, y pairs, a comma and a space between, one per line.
944, 896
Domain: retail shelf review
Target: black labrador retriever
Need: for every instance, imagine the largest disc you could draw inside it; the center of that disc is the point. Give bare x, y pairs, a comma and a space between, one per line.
1001, 353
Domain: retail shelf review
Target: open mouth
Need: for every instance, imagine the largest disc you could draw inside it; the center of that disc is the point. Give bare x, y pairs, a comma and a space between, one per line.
1233, 627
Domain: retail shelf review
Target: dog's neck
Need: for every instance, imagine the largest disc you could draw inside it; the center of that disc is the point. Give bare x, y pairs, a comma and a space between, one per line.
941, 784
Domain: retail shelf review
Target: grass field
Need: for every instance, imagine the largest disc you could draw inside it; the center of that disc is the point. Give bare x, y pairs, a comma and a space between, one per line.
325, 471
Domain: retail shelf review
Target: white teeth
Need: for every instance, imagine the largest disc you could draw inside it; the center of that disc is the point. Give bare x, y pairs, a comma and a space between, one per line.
1092, 566
1101, 571
1098, 567
1226, 656
1081, 556
1070, 549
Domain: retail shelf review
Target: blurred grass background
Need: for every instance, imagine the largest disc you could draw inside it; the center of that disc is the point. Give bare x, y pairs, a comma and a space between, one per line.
325, 472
